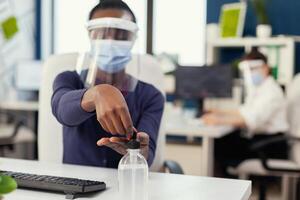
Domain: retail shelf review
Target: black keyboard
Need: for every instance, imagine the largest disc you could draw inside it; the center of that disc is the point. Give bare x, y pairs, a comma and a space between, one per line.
70, 186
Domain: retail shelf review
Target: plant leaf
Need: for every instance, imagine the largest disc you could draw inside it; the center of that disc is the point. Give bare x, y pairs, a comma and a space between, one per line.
260, 7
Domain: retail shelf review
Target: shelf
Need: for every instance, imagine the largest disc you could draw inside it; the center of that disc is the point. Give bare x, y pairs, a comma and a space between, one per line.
244, 42
284, 45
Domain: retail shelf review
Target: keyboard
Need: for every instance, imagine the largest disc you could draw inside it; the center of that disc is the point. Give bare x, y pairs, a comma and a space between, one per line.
70, 186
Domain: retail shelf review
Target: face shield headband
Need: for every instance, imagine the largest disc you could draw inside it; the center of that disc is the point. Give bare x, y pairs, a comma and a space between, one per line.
251, 64
112, 28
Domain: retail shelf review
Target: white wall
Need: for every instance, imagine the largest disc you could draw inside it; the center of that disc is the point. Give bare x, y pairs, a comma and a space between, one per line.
180, 29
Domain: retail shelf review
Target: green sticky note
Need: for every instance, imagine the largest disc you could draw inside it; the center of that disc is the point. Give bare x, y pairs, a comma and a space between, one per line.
230, 23
10, 27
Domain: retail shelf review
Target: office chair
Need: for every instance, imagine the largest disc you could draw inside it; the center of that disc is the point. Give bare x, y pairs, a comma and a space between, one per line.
50, 145
289, 170
14, 133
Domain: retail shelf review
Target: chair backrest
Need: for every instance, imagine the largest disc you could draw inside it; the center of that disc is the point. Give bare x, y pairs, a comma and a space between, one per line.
293, 111
50, 145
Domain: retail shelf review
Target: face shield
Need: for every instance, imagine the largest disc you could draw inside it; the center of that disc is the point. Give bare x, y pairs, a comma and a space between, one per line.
251, 72
110, 60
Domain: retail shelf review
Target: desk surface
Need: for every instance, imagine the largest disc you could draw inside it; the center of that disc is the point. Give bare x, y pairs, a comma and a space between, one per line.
196, 129
161, 186
20, 105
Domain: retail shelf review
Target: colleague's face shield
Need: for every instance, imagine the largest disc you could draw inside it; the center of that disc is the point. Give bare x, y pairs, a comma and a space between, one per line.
110, 60
247, 68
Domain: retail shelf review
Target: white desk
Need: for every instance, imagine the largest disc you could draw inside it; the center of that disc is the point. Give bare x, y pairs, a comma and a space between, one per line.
208, 134
20, 105
161, 186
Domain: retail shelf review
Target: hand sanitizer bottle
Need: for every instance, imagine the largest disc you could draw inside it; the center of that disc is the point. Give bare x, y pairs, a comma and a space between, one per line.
133, 173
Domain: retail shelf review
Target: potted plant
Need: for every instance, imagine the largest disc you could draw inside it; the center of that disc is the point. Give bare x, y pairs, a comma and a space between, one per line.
263, 29
7, 185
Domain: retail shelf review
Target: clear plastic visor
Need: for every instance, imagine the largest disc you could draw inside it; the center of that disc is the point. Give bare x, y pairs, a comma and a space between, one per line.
111, 34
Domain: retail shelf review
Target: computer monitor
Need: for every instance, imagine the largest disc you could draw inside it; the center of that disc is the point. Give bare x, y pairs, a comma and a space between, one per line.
203, 82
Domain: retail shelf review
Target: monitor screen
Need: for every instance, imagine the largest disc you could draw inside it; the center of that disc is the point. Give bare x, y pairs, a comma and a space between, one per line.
203, 82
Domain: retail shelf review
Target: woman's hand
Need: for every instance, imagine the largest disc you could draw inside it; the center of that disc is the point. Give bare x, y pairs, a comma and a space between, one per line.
119, 144
111, 109
228, 118
212, 119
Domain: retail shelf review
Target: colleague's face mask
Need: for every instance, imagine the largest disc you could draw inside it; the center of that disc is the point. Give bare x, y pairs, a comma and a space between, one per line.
111, 56
252, 72
257, 78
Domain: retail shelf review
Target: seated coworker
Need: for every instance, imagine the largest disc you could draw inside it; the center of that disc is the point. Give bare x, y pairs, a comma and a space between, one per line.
97, 115
262, 116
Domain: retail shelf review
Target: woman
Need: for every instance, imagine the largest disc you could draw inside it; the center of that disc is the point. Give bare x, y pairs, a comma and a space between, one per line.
102, 105
261, 117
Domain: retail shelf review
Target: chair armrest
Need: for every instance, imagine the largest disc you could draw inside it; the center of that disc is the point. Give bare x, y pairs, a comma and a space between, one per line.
173, 167
19, 121
265, 164
9, 140
259, 147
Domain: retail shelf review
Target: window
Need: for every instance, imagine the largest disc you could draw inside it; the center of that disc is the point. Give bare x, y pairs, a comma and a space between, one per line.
70, 17
179, 29
139, 8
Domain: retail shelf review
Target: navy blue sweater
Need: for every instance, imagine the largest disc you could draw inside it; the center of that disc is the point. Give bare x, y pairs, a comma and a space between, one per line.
81, 130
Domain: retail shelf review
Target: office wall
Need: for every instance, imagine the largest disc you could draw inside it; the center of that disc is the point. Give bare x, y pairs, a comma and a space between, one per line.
20, 45
284, 17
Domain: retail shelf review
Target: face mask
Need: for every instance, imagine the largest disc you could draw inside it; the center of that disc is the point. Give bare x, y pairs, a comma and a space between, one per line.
257, 78
111, 56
